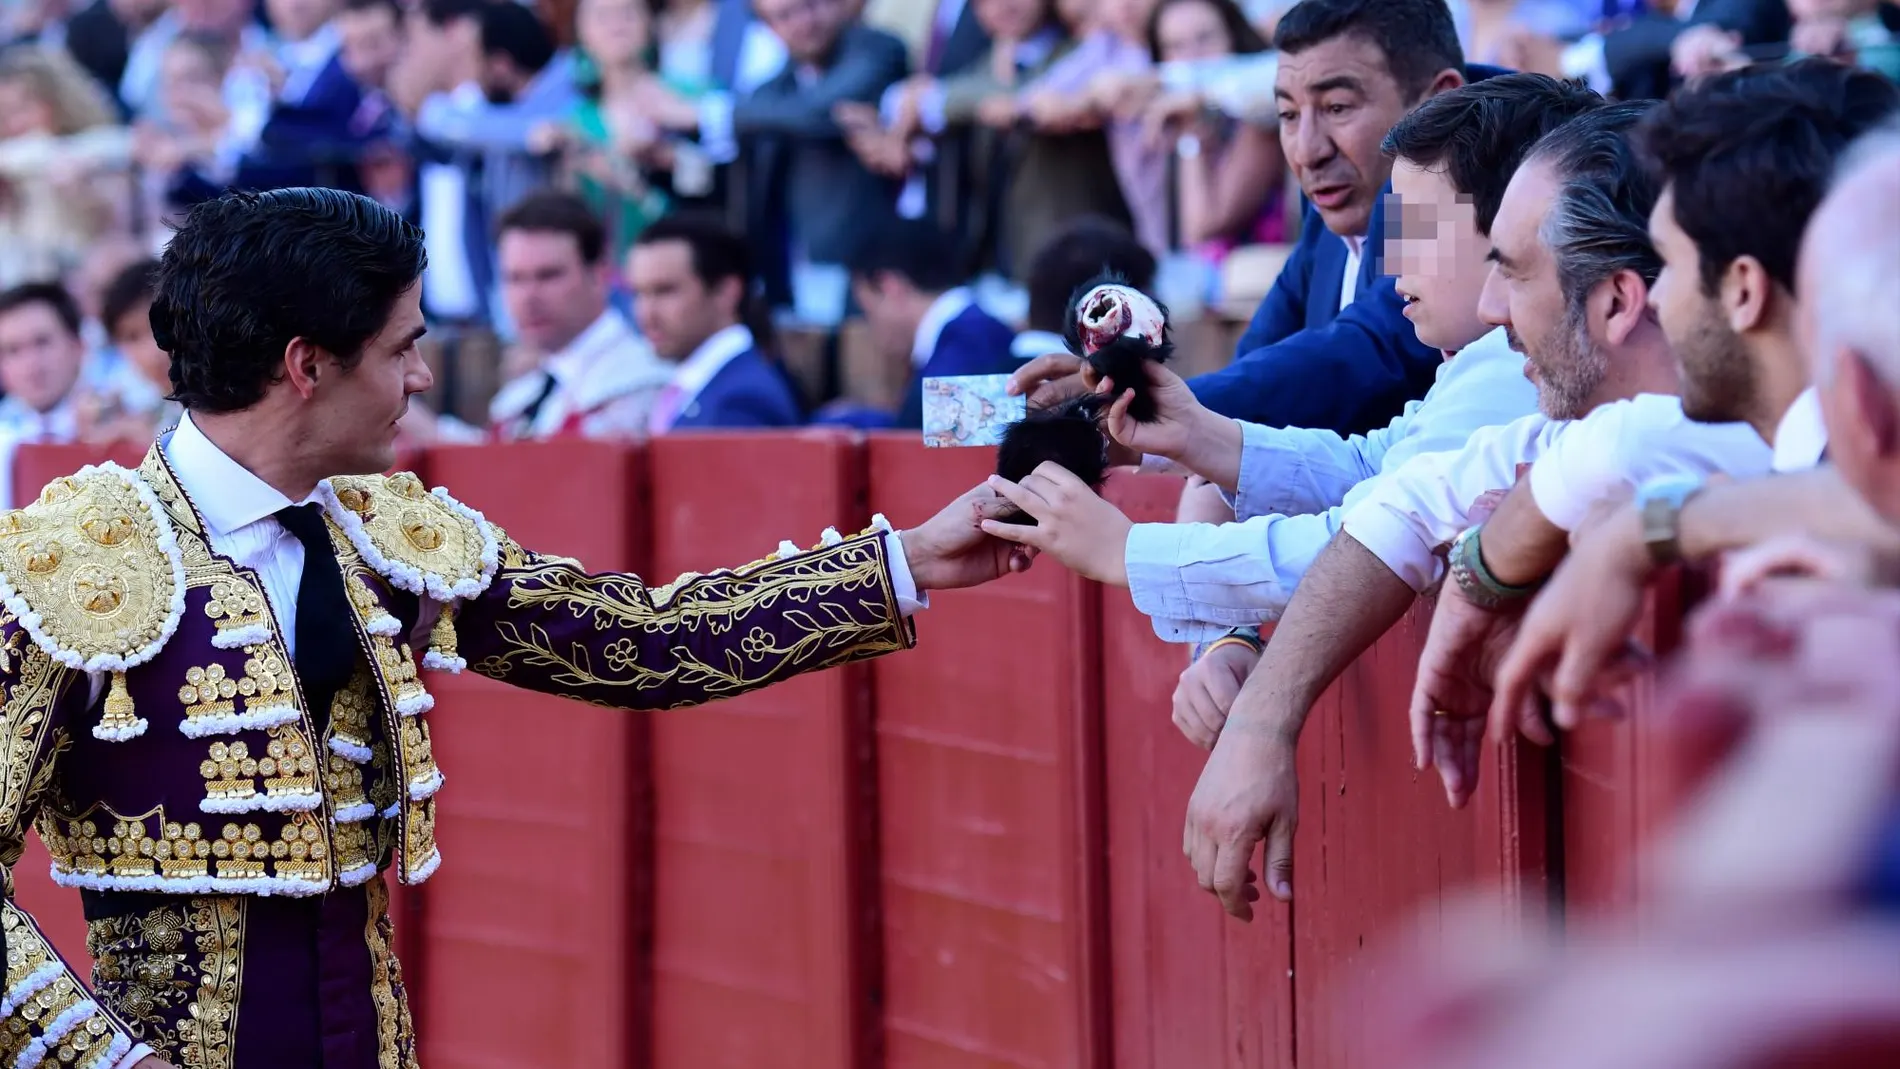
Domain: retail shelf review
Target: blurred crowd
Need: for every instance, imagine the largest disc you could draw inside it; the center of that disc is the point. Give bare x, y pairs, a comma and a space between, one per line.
629, 203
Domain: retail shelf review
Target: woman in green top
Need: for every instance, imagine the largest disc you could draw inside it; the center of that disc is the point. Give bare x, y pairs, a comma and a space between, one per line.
620, 162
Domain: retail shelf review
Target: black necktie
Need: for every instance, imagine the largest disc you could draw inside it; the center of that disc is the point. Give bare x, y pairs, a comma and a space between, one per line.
326, 643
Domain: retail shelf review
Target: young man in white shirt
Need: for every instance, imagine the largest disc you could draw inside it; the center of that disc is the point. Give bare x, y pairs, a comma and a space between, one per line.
598, 379
1846, 273
1291, 486
1572, 263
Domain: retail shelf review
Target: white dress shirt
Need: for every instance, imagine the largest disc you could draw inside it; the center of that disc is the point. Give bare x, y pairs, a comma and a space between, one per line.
1574, 464
1349, 285
606, 379
1197, 580
1801, 436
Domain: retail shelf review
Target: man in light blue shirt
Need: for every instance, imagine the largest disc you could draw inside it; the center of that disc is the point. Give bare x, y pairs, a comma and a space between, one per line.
1290, 486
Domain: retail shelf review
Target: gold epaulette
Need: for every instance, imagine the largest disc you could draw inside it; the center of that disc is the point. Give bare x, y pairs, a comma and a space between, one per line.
422, 541
93, 572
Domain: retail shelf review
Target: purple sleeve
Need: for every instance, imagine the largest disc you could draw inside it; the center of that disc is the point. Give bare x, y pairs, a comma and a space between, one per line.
608, 638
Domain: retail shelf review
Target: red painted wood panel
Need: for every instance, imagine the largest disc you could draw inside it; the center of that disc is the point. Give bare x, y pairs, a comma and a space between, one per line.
991, 827
764, 814
1378, 847
1192, 987
535, 925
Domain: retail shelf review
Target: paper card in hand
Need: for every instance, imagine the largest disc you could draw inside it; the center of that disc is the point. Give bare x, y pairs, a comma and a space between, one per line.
962, 410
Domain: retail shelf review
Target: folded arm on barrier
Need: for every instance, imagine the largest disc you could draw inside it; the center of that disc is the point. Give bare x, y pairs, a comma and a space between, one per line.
46, 1013
546, 624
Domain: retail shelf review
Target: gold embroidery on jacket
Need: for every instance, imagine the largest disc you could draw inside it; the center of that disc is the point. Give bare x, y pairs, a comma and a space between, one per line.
230, 772
395, 1032
350, 712
182, 963
24, 771
236, 603
718, 603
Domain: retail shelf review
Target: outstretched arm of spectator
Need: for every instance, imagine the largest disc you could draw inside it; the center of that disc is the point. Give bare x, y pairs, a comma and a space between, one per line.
1248, 791
468, 121
864, 70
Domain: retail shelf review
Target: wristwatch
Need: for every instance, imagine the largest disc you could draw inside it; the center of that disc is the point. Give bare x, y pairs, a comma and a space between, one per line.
1659, 505
1475, 581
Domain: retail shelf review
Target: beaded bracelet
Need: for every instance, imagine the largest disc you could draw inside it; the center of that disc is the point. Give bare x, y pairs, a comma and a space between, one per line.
1475, 581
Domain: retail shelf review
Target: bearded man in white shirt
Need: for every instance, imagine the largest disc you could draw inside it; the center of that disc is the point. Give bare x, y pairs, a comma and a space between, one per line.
1571, 269
1833, 522
211, 680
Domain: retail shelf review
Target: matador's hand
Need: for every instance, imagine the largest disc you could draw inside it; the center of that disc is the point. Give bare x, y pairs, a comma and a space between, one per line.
950, 550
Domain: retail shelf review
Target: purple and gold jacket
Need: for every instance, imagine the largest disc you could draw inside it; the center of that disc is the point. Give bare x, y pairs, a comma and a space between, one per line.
153, 730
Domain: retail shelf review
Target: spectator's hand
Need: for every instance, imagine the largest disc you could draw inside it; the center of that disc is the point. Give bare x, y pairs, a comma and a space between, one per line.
1452, 695
1207, 690
998, 112
1051, 378
856, 117
1526, 50
1124, 94
1166, 116
1057, 113
1183, 430
1073, 523
1702, 49
950, 551
1578, 628
263, 62
203, 110
547, 137
909, 120
1821, 36
663, 107
157, 152
1249, 790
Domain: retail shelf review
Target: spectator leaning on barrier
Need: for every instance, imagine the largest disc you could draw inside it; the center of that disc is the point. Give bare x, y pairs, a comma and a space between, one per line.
1846, 271
1291, 487
694, 299
1572, 265
597, 378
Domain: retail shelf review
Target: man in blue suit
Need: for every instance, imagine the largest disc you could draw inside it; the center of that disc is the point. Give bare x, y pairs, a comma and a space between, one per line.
1330, 347
692, 298
905, 277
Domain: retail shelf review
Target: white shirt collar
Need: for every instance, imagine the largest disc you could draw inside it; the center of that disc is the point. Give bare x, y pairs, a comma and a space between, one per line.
606, 360
948, 305
225, 492
1801, 436
57, 424
710, 359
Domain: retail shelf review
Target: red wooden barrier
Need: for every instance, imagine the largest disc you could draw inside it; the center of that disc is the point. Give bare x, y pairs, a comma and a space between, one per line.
535, 924
1191, 987
1377, 843
764, 826
991, 825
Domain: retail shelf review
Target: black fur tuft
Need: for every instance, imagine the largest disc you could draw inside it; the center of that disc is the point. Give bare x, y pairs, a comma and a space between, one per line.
1068, 433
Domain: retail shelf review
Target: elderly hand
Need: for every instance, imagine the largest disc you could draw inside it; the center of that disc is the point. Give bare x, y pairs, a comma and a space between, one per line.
1052, 378
1073, 524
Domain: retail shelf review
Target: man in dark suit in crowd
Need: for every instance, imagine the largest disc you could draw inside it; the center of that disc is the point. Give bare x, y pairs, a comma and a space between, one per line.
905, 276
692, 298
1330, 347
805, 192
